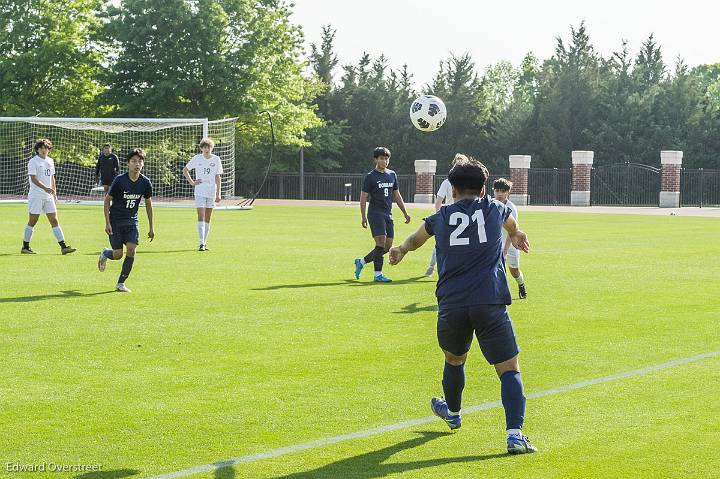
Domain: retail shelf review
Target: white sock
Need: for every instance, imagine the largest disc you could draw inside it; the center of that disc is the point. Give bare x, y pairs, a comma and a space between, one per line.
378, 273
520, 279
201, 232
207, 233
362, 261
453, 413
514, 432
57, 231
27, 235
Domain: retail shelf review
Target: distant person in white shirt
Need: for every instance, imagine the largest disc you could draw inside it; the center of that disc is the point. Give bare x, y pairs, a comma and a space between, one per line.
42, 196
208, 169
501, 191
444, 193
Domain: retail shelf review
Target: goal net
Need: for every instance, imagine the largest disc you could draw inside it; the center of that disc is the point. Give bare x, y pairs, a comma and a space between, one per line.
168, 144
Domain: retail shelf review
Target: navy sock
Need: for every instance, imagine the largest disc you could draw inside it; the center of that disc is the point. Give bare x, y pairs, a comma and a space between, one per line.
126, 268
513, 399
453, 384
370, 257
378, 260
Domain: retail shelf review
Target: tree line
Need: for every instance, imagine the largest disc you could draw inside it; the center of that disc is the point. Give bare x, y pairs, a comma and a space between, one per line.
223, 58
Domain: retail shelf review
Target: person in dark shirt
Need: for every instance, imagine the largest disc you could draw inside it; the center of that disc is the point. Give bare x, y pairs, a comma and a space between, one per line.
107, 167
121, 216
381, 187
473, 293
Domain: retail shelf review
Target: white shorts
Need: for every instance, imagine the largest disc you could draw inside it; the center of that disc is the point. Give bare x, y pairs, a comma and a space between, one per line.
41, 205
204, 202
513, 257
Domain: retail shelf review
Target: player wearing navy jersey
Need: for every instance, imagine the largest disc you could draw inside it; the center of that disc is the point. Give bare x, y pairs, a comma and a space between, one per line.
42, 195
473, 294
381, 188
121, 216
208, 169
107, 166
501, 192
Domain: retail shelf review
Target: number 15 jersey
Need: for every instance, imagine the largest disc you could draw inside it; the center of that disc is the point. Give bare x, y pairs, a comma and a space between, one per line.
126, 194
468, 237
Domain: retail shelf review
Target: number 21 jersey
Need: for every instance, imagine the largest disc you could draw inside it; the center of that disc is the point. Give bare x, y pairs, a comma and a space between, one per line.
468, 238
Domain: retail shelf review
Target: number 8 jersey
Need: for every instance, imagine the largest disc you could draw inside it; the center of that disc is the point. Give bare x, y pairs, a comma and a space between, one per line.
126, 194
468, 237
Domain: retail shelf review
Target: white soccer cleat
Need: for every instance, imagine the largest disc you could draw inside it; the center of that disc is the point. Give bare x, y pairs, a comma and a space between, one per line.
122, 288
102, 261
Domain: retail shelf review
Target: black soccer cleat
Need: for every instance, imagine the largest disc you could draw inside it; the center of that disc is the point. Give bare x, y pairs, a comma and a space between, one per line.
27, 251
67, 250
201, 248
521, 291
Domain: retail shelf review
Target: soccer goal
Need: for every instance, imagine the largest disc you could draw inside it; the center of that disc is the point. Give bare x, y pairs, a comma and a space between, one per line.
168, 143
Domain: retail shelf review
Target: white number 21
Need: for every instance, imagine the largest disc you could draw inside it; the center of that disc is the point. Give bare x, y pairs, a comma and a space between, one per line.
464, 221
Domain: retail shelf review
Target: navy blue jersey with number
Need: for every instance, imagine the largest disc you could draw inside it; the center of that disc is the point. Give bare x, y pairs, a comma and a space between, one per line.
380, 187
468, 237
126, 194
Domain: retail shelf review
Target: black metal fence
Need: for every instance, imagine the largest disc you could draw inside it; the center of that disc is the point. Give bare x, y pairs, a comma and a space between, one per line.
549, 186
699, 187
317, 186
629, 184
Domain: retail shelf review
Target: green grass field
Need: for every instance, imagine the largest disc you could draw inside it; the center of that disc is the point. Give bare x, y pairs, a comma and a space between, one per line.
267, 341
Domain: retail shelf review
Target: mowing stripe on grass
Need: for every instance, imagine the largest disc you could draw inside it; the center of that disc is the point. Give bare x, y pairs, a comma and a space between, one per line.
414, 422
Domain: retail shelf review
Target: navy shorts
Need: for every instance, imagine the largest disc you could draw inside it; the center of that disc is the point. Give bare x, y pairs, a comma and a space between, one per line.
381, 225
124, 234
491, 325
106, 180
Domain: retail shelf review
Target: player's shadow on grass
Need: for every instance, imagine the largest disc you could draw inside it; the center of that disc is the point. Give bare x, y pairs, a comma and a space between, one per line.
348, 282
114, 474
149, 251
372, 464
413, 308
73, 293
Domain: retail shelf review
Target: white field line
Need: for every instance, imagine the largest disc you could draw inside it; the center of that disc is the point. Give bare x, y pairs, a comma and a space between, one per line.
415, 422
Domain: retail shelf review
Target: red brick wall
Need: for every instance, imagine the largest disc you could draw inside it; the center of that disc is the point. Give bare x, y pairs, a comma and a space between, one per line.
519, 177
424, 183
581, 177
670, 178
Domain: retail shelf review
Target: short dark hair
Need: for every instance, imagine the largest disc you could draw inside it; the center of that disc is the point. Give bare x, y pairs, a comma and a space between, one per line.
136, 152
43, 142
107, 145
502, 184
381, 151
468, 175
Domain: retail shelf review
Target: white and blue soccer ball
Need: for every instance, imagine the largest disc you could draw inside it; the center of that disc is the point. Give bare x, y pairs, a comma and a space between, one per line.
428, 113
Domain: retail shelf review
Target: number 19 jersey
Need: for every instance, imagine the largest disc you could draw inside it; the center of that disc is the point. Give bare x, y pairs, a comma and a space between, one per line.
468, 239
206, 169
126, 194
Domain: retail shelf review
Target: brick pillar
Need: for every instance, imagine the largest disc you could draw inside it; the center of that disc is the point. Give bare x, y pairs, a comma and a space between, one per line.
425, 174
671, 162
519, 166
581, 169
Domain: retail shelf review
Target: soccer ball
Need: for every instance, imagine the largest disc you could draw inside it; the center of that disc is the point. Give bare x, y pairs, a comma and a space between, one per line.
428, 113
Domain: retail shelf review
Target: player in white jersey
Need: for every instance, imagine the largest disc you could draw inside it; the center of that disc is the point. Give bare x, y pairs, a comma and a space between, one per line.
444, 193
501, 191
208, 169
42, 195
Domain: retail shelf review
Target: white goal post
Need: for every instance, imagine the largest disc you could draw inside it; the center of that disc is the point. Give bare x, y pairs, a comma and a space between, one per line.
168, 143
